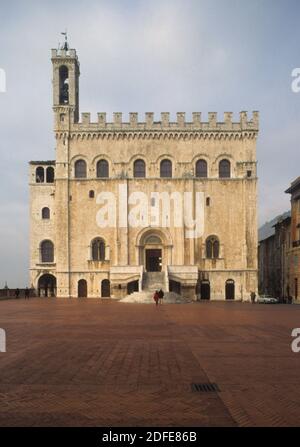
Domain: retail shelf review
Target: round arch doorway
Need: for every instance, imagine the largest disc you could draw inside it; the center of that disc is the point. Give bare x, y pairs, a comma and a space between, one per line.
153, 250
82, 288
47, 285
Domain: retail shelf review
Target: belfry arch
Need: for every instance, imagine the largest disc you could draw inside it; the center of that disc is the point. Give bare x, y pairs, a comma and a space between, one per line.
63, 85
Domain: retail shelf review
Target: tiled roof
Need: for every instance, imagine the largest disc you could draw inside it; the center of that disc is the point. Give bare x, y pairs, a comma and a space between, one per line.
267, 230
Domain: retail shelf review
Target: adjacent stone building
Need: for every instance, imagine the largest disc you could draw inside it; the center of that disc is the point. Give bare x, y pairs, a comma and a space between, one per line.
91, 234
279, 251
273, 256
294, 251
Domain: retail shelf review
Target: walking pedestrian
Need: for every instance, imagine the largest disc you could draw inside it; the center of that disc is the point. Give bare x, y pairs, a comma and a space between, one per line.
27, 293
253, 296
156, 297
161, 296
17, 293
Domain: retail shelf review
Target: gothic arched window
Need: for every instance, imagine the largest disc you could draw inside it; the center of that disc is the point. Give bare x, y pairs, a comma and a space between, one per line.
98, 250
166, 168
102, 169
80, 169
47, 251
46, 213
224, 169
50, 174
40, 175
212, 247
139, 168
201, 168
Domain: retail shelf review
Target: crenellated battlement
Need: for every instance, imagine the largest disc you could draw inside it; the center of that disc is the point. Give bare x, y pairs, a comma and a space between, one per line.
66, 108
212, 124
61, 53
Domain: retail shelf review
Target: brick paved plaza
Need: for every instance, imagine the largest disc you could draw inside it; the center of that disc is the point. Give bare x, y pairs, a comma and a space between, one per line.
93, 363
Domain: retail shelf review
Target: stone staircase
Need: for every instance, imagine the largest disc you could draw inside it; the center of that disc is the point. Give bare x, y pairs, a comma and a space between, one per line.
153, 281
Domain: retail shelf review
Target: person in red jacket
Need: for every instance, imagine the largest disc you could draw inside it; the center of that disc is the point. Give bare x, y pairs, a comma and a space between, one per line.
156, 297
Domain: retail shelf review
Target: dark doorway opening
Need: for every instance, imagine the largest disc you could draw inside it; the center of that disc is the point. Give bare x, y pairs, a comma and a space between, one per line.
153, 260
132, 286
175, 286
105, 288
82, 288
205, 290
296, 288
47, 285
229, 289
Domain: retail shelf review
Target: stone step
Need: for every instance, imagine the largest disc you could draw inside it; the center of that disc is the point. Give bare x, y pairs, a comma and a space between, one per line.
153, 281
145, 297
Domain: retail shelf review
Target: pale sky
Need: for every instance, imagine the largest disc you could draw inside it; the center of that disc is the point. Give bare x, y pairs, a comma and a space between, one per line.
141, 56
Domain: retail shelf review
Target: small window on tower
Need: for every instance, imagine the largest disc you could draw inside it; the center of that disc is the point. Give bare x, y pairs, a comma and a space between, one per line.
249, 174
46, 213
91, 194
207, 201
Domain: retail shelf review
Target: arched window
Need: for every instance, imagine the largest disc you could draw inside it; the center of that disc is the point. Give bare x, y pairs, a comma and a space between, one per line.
224, 169
166, 168
45, 213
63, 85
201, 168
80, 169
98, 250
139, 168
212, 247
40, 175
50, 175
47, 251
102, 169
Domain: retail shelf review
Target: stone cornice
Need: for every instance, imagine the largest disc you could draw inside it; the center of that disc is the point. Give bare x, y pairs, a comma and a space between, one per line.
155, 134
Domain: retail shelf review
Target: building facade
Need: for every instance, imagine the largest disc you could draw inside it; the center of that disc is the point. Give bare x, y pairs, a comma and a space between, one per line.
126, 198
273, 256
294, 251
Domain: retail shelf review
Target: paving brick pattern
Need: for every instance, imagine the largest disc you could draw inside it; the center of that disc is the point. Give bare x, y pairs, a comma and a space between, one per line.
93, 363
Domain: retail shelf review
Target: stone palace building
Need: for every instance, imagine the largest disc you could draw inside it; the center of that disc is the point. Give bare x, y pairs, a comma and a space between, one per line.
125, 200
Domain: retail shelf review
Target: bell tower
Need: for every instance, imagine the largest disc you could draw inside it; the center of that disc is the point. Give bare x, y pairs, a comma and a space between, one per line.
66, 112
65, 85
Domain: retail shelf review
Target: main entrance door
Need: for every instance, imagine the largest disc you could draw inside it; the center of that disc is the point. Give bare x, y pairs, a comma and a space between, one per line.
153, 260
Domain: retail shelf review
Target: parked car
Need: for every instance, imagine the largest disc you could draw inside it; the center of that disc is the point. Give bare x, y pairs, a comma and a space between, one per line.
267, 299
